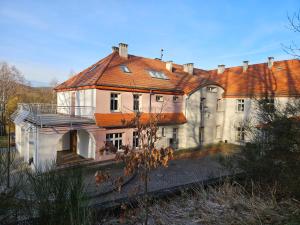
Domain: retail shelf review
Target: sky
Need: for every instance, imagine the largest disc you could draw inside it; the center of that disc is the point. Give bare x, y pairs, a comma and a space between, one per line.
51, 39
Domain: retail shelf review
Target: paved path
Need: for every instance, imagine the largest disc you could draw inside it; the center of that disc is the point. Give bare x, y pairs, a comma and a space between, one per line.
179, 173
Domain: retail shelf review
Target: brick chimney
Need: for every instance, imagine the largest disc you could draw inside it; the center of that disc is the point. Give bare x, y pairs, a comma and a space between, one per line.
123, 50
188, 68
169, 66
245, 65
270, 62
221, 69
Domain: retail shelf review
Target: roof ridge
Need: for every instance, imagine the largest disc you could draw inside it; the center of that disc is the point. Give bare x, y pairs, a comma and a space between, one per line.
106, 66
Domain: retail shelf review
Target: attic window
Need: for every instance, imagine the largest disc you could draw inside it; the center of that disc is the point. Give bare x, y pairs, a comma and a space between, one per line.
157, 74
125, 69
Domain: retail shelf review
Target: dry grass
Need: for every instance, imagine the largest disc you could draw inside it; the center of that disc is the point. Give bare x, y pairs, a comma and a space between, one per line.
227, 204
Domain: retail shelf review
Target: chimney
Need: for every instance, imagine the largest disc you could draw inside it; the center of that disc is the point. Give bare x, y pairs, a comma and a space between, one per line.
221, 69
270, 62
245, 65
169, 66
123, 50
115, 49
188, 68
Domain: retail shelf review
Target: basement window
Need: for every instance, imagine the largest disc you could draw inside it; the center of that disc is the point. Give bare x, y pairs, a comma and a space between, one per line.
125, 69
157, 74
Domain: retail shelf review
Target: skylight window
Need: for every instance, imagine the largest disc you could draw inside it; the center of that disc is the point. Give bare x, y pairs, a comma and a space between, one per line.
157, 74
94, 67
125, 69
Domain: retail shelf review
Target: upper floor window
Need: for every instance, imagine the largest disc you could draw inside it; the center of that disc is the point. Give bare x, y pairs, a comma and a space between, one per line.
240, 105
269, 104
212, 89
136, 102
176, 98
125, 69
115, 140
159, 98
114, 101
157, 74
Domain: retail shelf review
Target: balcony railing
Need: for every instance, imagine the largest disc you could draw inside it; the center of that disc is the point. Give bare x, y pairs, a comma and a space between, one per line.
41, 109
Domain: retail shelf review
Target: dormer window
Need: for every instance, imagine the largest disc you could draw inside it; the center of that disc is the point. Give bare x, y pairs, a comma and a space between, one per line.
157, 74
125, 69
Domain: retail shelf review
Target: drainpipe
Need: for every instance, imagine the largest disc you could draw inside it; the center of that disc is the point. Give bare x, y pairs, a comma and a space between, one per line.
150, 101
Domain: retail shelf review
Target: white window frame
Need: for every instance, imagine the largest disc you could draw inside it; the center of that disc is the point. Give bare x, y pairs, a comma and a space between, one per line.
176, 98
135, 139
125, 69
159, 98
163, 131
139, 102
118, 101
240, 105
212, 89
116, 139
240, 134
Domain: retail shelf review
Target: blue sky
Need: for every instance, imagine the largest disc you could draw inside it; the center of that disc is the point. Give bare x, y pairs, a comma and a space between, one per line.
49, 39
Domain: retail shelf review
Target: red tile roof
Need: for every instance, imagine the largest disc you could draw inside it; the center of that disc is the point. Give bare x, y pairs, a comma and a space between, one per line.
107, 73
283, 79
123, 119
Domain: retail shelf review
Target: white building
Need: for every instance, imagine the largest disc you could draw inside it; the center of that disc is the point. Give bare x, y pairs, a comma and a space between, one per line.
198, 107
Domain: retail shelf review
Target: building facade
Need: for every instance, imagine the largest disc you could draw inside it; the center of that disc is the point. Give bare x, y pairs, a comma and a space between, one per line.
197, 107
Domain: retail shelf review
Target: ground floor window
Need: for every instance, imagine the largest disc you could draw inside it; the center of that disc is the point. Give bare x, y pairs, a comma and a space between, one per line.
115, 139
135, 139
240, 134
174, 140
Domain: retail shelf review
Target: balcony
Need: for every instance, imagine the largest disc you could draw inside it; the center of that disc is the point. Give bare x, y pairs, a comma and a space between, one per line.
51, 114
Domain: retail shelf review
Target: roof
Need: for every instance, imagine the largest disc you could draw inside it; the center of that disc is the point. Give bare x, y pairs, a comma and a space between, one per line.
107, 74
123, 119
283, 79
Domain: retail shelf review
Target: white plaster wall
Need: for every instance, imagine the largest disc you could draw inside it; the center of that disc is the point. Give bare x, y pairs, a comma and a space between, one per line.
233, 117
86, 145
126, 102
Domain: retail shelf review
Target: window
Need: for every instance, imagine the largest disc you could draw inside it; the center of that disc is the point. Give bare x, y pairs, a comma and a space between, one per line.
135, 139
240, 134
240, 105
212, 89
136, 102
115, 139
269, 104
159, 98
175, 98
163, 132
157, 74
125, 69
202, 104
114, 102
174, 140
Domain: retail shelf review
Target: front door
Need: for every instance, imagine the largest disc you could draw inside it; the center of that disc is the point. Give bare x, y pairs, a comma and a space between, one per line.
73, 141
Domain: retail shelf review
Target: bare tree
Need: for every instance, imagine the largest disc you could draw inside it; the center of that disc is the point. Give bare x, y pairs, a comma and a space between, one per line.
294, 25
11, 81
